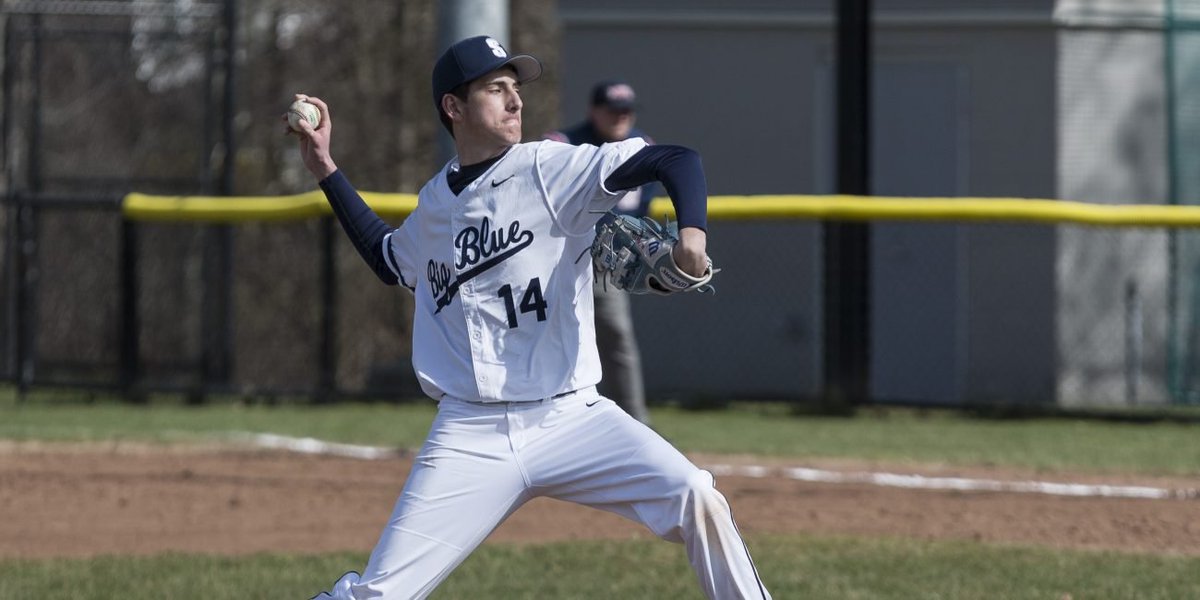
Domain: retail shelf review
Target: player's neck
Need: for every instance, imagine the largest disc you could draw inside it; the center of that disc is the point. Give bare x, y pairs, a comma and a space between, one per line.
469, 154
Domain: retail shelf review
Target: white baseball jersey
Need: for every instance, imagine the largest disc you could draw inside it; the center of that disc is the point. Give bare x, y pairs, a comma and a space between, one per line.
502, 275
502, 278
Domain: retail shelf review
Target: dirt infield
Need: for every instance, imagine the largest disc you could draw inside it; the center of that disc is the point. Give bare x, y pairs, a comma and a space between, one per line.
75, 501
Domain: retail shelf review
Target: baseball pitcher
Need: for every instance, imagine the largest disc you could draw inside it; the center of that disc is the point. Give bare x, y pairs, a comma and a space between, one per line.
499, 255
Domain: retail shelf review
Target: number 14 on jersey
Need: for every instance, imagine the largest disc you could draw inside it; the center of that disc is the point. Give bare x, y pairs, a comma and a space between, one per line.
531, 301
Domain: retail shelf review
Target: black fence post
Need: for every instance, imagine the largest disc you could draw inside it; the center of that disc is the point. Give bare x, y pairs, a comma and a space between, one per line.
847, 245
327, 382
218, 314
27, 238
26, 310
130, 325
8, 282
12, 247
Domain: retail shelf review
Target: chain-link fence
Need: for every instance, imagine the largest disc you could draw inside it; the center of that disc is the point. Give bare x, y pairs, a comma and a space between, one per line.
102, 98
1113, 307
1128, 298
98, 98
182, 97
1182, 50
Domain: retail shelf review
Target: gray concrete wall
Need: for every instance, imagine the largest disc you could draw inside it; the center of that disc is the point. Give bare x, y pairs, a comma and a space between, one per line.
751, 89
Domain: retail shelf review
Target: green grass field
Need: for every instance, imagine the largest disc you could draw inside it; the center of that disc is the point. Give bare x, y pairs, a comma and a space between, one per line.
793, 566
897, 435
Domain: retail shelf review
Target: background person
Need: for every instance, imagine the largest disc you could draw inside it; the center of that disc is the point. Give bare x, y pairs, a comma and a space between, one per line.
611, 118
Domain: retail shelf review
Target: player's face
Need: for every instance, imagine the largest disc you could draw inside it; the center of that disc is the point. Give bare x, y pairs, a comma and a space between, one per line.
493, 111
612, 125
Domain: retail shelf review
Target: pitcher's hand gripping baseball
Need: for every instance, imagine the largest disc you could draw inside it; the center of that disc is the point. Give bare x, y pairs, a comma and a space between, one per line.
314, 141
637, 255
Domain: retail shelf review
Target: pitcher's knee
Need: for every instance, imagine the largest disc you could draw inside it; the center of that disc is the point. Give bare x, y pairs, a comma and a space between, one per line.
700, 480
692, 502
705, 499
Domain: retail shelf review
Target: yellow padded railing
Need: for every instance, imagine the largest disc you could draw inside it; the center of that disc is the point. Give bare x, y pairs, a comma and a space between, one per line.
232, 209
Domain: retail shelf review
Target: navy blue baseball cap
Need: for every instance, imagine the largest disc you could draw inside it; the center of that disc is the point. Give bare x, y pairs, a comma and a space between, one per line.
616, 95
473, 58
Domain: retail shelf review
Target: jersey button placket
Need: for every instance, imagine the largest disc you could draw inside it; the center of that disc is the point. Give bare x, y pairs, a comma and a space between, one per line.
470, 312
474, 331
483, 365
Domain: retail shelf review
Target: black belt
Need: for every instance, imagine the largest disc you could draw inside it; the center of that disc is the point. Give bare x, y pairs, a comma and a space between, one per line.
503, 402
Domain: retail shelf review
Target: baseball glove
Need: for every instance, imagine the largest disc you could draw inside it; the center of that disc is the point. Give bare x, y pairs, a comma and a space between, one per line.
634, 255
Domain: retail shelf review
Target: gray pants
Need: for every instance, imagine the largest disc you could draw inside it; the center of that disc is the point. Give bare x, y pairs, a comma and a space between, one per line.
619, 356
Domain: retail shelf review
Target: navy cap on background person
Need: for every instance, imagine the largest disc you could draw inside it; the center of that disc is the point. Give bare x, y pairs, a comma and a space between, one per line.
616, 95
472, 58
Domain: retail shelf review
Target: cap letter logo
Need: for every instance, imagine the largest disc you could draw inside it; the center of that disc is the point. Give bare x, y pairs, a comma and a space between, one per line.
497, 49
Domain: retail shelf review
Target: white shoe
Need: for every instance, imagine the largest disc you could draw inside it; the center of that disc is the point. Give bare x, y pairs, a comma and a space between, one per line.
341, 589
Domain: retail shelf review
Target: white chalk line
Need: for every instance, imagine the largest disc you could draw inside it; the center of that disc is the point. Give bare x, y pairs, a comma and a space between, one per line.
309, 445
922, 482
897, 480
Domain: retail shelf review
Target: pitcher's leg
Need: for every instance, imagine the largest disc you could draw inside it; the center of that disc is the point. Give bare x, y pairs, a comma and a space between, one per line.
463, 484
619, 465
715, 547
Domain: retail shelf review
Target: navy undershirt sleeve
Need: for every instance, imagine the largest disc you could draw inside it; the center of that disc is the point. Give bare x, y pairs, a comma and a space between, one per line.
364, 228
681, 173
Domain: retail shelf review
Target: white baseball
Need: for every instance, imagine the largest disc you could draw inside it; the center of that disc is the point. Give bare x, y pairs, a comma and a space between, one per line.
303, 110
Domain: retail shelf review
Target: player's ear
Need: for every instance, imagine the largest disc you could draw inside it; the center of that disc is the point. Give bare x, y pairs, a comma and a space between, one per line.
452, 106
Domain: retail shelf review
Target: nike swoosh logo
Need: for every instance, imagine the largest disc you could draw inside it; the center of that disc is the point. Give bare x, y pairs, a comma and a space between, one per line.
499, 183
589, 404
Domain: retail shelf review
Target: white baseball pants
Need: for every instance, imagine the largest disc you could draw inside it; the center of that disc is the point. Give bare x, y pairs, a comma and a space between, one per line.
483, 461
